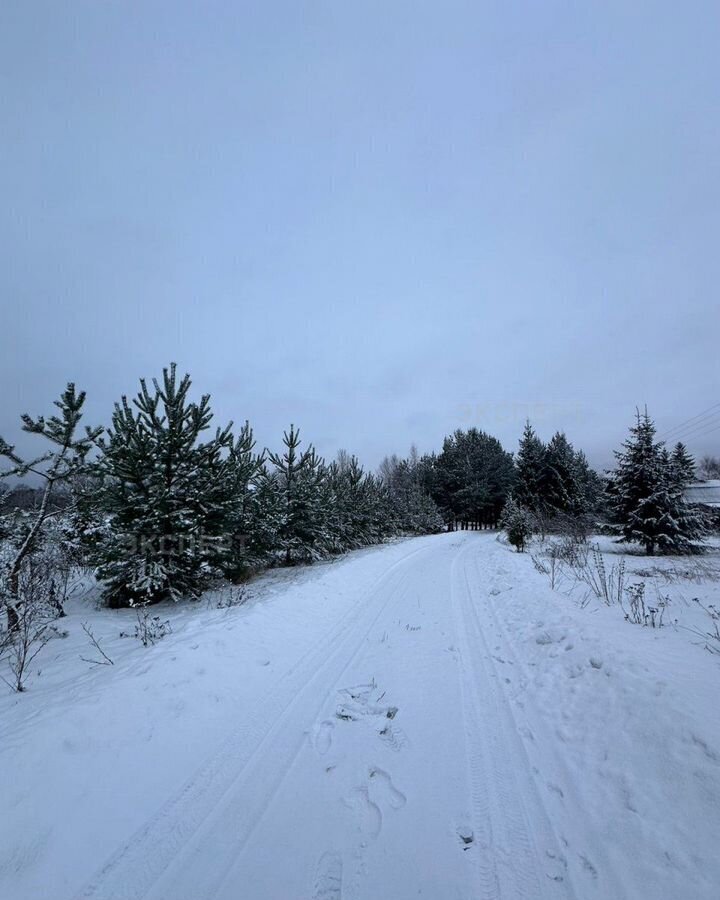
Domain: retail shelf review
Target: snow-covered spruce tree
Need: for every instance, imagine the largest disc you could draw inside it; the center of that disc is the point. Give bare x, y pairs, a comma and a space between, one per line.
531, 481
170, 497
689, 523
683, 464
517, 523
564, 489
302, 533
646, 495
590, 482
64, 460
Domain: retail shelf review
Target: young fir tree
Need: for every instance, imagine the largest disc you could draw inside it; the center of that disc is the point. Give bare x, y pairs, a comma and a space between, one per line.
64, 460
169, 496
688, 523
646, 494
302, 534
517, 523
590, 482
565, 475
683, 464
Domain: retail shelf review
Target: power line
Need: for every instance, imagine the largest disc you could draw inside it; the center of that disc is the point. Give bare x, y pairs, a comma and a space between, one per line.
692, 432
682, 425
703, 433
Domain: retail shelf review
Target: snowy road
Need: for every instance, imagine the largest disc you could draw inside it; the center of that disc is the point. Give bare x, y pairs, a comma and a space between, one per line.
414, 735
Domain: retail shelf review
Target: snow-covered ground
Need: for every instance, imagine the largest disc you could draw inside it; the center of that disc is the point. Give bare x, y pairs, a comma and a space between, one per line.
425, 719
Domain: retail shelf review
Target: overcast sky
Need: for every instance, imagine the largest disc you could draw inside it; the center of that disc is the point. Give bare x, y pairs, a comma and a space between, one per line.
381, 221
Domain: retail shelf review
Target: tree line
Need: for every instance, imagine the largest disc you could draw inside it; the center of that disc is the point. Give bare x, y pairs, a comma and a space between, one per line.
160, 503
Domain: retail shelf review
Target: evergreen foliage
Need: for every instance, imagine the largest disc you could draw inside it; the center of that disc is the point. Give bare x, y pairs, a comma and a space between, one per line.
169, 504
555, 481
170, 497
471, 478
410, 508
305, 510
517, 523
646, 493
531, 489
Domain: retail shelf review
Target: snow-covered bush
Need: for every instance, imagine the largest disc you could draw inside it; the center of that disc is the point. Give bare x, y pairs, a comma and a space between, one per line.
518, 524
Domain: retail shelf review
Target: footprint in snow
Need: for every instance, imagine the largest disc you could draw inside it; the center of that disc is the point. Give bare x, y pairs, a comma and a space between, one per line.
384, 791
395, 738
328, 877
322, 737
369, 813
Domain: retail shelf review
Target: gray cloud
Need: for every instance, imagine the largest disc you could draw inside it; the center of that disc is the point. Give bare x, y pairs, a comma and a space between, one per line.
379, 222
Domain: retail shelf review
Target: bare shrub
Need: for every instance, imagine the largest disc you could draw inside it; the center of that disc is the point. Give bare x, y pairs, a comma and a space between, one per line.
551, 566
104, 658
639, 611
232, 596
711, 637
572, 551
694, 569
149, 629
36, 606
608, 585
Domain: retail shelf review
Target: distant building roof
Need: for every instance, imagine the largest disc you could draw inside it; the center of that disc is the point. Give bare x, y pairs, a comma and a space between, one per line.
705, 492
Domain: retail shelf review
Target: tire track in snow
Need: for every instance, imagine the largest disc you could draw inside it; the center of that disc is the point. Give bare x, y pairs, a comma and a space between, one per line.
515, 836
611, 886
228, 830
135, 868
478, 762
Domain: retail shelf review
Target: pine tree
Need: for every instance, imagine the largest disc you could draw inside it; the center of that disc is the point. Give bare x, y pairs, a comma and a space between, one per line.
354, 503
646, 494
410, 510
169, 495
303, 528
231, 489
266, 510
472, 478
